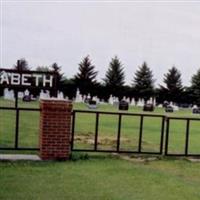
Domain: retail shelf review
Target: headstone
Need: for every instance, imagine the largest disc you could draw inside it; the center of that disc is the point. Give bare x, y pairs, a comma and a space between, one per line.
195, 109
44, 95
194, 106
132, 102
111, 100
141, 103
20, 95
92, 104
26, 93
154, 101
26, 96
9, 94
78, 98
127, 99
169, 108
150, 101
84, 98
60, 95
95, 98
123, 105
5, 93
176, 108
165, 104
48, 94
148, 107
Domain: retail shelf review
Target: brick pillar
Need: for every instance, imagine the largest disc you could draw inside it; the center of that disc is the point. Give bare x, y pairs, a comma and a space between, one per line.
55, 123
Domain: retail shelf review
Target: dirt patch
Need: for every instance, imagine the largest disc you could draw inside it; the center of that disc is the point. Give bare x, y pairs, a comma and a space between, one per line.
137, 159
102, 140
110, 141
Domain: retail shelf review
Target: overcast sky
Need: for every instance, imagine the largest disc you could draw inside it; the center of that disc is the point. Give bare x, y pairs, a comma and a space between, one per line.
162, 34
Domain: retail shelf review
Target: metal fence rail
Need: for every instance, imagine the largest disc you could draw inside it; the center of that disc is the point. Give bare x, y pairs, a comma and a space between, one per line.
120, 115
163, 137
187, 136
17, 122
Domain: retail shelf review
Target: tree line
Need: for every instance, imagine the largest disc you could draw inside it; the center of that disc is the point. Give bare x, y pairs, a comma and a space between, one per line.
141, 87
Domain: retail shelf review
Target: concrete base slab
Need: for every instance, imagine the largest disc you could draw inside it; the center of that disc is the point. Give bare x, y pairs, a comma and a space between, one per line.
15, 157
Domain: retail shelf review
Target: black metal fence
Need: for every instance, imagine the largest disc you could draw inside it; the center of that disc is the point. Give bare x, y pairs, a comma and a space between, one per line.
97, 116
165, 134
187, 133
16, 114
164, 130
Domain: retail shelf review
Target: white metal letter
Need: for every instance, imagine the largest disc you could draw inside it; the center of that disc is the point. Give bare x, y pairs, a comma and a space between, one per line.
25, 79
45, 81
4, 78
15, 79
37, 77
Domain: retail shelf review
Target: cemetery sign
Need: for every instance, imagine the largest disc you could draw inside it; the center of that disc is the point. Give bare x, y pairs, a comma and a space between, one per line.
14, 79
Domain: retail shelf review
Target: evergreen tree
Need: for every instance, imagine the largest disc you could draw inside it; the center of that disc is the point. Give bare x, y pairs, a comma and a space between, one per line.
42, 69
57, 69
85, 78
102, 92
143, 82
115, 77
21, 65
196, 87
59, 79
69, 88
173, 79
173, 85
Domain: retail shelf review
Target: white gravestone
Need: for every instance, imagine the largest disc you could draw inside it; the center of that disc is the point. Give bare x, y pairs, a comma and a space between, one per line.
9, 94
78, 98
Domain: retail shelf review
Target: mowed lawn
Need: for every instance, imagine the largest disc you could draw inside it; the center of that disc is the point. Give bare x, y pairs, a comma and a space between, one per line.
102, 178
108, 125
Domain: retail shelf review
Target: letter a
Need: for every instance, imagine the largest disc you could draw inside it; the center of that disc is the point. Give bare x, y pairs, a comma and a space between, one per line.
4, 78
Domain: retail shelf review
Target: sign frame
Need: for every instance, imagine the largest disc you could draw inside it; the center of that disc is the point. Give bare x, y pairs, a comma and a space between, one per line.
22, 76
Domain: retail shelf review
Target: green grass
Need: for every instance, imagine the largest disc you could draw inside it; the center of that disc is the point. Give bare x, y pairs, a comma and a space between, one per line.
108, 124
101, 179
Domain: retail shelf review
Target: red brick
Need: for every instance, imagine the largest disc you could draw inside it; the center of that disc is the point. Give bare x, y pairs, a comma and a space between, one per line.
55, 123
